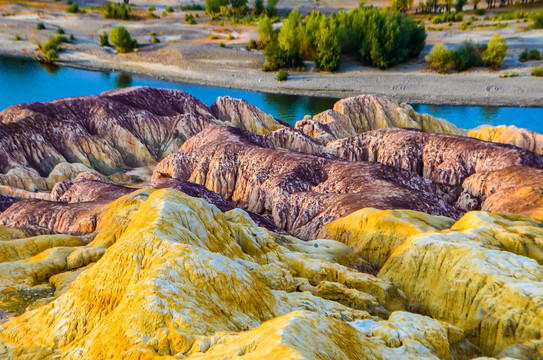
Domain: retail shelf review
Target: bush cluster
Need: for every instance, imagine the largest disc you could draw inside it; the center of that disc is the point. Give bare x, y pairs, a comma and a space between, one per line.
538, 71
447, 17
379, 38
104, 39
526, 55
73, 9
282, 75
537, 18
468, 55
121, 39
50, 48
192, 7
116, 11
189, 19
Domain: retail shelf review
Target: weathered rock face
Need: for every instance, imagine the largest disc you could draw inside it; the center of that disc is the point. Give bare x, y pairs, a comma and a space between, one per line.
370, 112
516, 190
301, 192
482, 273
513, 135
441, 158
118, 129
375, 234
245, 116
170, 260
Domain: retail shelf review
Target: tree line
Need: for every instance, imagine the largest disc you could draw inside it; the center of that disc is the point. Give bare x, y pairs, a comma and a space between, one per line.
377, 37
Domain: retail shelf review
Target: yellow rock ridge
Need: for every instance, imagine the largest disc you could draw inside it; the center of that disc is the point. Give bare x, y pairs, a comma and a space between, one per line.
180, 279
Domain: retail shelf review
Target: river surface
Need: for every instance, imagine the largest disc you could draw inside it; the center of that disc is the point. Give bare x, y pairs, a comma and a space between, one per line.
24, 81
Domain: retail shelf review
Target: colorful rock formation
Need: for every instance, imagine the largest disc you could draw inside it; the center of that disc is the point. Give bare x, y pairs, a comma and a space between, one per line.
241, 236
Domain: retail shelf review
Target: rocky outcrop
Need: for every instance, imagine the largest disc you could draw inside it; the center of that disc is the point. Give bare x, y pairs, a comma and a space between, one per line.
517, 190
513, 135
243, 115
300, 192
171, 260
370, 112
374, 234
482, 273
119, 129
441, 158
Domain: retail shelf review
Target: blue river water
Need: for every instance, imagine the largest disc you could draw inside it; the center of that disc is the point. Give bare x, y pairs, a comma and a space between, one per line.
24, 81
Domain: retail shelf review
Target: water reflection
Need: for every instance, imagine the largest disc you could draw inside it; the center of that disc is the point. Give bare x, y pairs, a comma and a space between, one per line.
123, 80
491, 115
51, 69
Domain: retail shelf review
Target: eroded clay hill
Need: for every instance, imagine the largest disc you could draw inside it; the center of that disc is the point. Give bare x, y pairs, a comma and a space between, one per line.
142, 224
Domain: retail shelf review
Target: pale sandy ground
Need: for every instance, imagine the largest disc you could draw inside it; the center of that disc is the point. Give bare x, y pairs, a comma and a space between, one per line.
186, 54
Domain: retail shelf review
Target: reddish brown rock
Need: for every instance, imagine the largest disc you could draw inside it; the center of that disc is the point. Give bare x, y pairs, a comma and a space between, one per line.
301, 192
441, 158
115, 130
516, 190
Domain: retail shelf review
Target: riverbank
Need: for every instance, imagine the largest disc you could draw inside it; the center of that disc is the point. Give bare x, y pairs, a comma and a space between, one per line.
186, 54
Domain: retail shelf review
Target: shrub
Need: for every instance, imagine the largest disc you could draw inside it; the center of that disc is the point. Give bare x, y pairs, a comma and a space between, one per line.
537, 18
71, 37
480, 12
467, 56
151, 8
51, 54
275, 58
104, 39
252, 45
526, 55
152, 33
169, 9
155, 40
495, 51
440, 58
189, 19
60, 31
17, 38
121, 39
192, 7
221, 44
282, 75
40, 26
230, 37
73, 9
117, 11
213, 36
538, 71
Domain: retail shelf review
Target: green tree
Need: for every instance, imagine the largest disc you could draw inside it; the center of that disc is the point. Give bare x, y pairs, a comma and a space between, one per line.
328, 51
440, 58
289, 38
308, 34
495, 51
238, 4
121, 39
265, 31
402, 5
459, 6
214, 6
258, 8
271, 7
